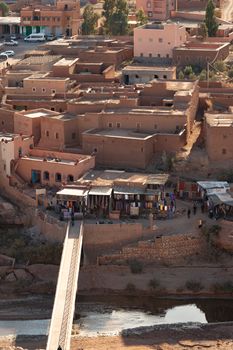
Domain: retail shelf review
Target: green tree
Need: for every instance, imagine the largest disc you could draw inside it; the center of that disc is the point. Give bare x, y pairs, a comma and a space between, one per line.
108, 10
202, 30
220, 66
90, 19
203, 75
188, 70
210, 19
116, 17
4, 8
181, 75
141, 17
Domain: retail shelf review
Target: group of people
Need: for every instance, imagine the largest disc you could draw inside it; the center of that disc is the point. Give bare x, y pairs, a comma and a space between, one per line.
195, 206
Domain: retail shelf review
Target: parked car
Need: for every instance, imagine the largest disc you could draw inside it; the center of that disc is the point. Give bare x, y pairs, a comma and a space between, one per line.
3, 56
11, 43
50, 37
15, 37
9, 53
35, 37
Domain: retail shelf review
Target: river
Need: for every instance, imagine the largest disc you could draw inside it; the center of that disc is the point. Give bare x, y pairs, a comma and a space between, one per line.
118, 313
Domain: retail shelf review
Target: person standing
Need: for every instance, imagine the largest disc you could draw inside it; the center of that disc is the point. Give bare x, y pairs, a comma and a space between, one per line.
194, 209
188, 213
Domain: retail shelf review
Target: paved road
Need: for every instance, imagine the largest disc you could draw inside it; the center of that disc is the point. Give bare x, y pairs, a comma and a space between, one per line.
227, 10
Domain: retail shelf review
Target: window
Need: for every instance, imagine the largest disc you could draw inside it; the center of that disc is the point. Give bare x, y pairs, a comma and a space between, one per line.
158, 54
118, 125
52, 109
167, 55
150, 54
169, 43
47, 133
224, 151
73, 136
136, 76
149, 13
43, 90
142, 149
95, 150
141, 54
58, 177
70, 178
164, 77
2, 122
46, 175
33, 89
160, 40
60, 110
110, 125
53, 91
56, 135
148, 4
224, 136
156, 76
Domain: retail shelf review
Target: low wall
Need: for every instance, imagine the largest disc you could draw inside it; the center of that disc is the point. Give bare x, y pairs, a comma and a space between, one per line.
52, 229
111, 234
167, 249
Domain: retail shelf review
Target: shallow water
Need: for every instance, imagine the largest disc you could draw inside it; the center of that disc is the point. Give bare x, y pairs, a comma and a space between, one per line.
111, 315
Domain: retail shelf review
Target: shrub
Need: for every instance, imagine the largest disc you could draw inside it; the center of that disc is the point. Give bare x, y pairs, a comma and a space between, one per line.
220, 66
154, 284
188, 70
135, 266
181, 75
130, 287
226, 287
230, 73
194, 286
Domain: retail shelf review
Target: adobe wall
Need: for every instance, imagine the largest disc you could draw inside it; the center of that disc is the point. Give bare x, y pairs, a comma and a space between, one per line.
52, 229
167, 249
6, 120
111, 234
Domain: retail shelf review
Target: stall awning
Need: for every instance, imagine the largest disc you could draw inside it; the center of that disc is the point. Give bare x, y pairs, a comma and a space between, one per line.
211, 185
128, 190
221, 198
157, 179
100, 191
71, 192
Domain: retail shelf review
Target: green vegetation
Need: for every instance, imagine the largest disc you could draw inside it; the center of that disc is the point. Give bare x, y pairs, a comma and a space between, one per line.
226, 175
154, 284
4, 8
210, 19
24, 249
225, 287
220, 66
141, 17
202, 30
90, 19
116, 17
130, 287
135, 266
194, 286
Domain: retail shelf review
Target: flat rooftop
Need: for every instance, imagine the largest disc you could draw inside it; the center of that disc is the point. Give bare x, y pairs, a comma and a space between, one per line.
66, 62
49, 160
219, 120
38, 113
108, 177
138, 68
120, 133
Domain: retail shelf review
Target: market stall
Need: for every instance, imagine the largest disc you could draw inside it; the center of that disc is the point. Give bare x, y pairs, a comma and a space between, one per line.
100, 200
72, 200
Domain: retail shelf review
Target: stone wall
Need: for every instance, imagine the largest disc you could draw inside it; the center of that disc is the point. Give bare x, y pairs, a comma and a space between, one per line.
166, 249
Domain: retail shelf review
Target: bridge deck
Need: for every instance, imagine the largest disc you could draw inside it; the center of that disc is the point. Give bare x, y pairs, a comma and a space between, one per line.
64, 304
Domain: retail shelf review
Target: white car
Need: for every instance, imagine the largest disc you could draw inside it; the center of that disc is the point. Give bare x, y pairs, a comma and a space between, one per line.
11, 43
3, 56
9, 53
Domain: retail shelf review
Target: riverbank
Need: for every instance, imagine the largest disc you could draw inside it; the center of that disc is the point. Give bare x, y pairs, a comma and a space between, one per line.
175, 337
